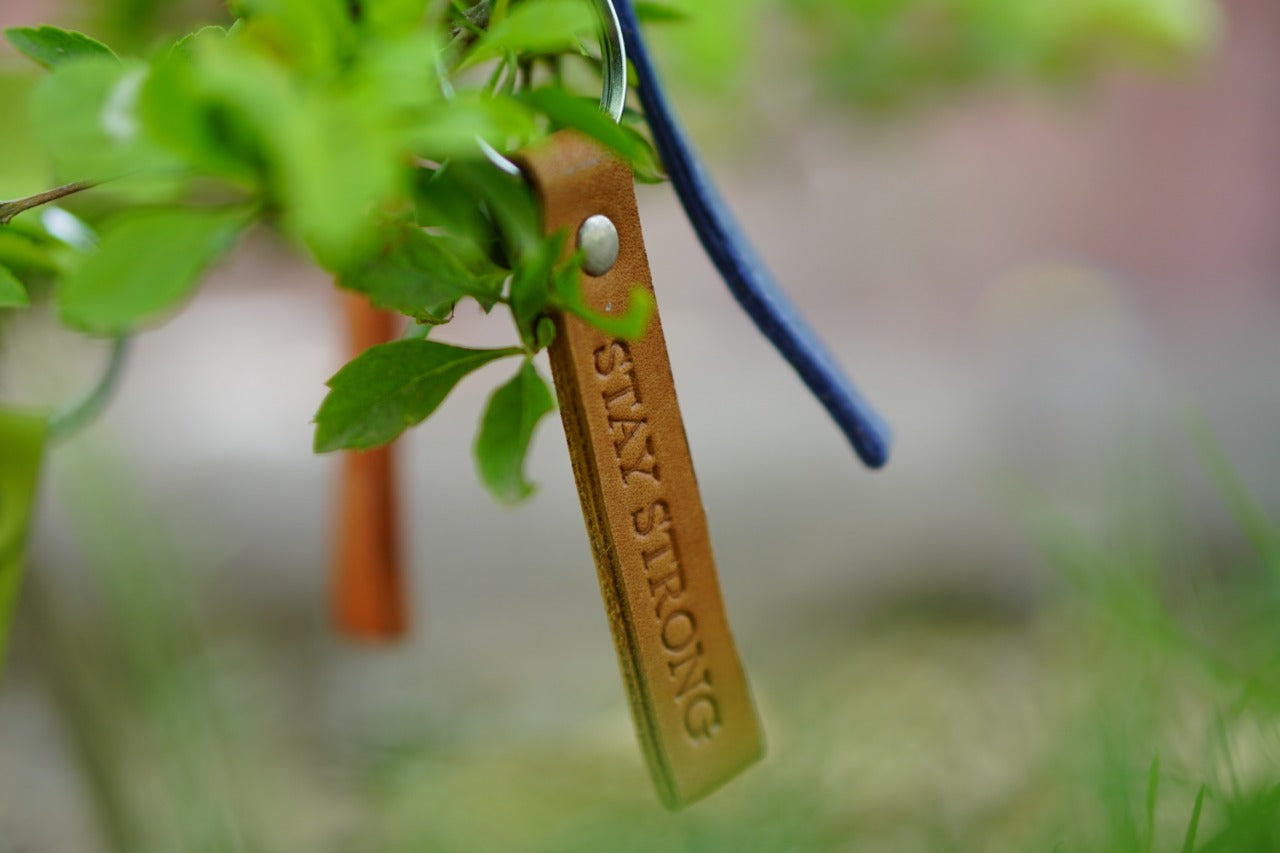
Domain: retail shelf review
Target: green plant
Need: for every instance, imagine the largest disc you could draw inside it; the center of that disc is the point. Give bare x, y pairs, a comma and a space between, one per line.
353, 127
355, 130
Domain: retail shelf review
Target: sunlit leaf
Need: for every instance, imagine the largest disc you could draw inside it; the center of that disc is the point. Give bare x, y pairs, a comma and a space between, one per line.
506, 431
629, 324
452, 129
567, 110
12, 293
315, 36
531, 286
52, 47
419, 274
148, 262
534, 27
87, 115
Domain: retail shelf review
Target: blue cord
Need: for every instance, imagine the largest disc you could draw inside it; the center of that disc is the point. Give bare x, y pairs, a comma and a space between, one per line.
743, 271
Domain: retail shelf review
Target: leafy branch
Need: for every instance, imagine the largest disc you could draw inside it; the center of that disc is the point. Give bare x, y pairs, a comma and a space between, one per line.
353, 129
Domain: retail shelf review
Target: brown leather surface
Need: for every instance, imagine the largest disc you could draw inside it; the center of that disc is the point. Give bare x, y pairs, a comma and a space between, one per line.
368, 576
693, 710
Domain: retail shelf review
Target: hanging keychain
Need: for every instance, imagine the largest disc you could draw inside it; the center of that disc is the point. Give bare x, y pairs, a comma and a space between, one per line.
692, 707
689, 697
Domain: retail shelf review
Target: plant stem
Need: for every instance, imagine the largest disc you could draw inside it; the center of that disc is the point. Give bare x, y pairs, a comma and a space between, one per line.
10, 209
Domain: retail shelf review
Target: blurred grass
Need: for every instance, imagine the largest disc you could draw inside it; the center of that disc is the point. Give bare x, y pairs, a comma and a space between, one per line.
1136, 710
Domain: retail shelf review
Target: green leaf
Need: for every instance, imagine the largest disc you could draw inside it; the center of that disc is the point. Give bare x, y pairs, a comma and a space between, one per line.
22, 441
148, 261
391, 387
315, 36
418, 331
52, 47
341, 162
12, 293
567, 110
392, 16
187, 43
509, 201
450, 129
505, 433
531, 286
545, 333
629, 325
87, 118
398, 73
418, 274
535, 27
444, 203
659, 13
328, 155
187, 117
29, 254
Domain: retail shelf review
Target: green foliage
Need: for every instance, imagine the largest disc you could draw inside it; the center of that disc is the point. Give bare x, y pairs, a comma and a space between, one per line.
22, 436
391, 387
351, 128
12, 293
51, 47
393, 278
148, 261
505, 432
86, 117
566, 110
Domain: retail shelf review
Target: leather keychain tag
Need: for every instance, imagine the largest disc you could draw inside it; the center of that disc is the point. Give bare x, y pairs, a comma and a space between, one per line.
689, 697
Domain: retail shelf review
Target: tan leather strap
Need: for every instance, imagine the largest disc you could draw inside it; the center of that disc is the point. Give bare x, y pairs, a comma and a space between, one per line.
368, 584
689, 697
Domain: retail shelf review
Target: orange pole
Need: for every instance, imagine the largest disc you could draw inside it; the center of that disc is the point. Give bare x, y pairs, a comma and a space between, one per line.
368, 581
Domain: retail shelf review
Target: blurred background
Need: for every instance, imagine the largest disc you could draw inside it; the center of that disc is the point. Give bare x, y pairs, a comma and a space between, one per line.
1046, 243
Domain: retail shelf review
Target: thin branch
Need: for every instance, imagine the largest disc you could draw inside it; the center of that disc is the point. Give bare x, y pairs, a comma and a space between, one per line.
10, 209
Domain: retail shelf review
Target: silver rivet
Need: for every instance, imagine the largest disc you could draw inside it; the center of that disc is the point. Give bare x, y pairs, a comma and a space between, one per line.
598, 240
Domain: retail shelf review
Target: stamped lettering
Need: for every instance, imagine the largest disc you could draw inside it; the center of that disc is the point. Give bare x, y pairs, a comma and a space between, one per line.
672, 609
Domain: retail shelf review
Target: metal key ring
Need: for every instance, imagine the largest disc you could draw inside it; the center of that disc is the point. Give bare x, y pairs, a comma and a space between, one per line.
613, 94
613, 49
